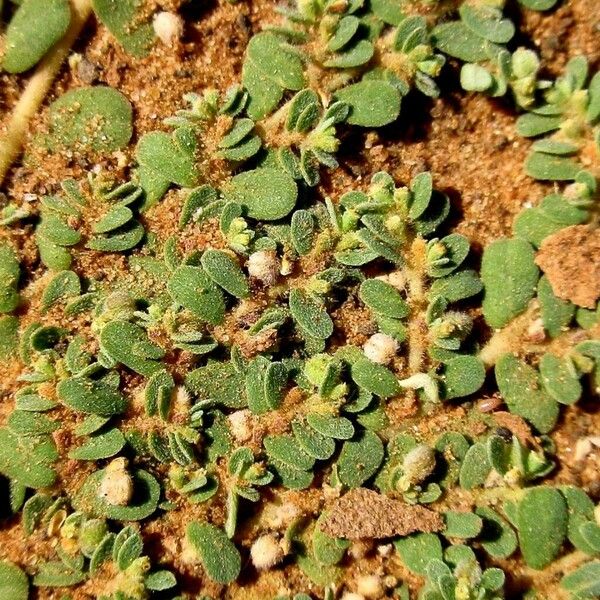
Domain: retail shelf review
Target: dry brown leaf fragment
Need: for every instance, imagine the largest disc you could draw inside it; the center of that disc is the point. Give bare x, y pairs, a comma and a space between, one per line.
363, 513
570, 258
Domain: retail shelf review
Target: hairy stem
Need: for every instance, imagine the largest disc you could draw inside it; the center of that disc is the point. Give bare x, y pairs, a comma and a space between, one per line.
417, 329
514, 337
38, 86
508, 338
565, 564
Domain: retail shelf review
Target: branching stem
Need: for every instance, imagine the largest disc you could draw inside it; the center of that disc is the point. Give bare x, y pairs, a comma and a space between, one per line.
38, 86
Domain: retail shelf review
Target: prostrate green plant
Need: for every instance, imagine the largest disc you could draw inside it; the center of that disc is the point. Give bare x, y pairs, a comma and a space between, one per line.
462, 579
114, 227
332, 408
347, 49
576, 204
398, 225
85, 545
308, 135
479, 38
558, 378
517, 72
567, 124
245, 475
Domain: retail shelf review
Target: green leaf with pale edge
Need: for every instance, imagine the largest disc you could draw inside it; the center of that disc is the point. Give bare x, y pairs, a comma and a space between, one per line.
195, 290
285, 449
497, 537
559, 380
122, 18
268, 194
462, 524
166, 159
584, 582
418, 549
475, 467
160, 580
65, 284
310, 314
462, 376
360, 459
219, 382
556, 314
383, 298
99, 446
550, 167
302, 231
35, 27
27, 460
542, 524
225, 272
373, 103
457, 40
128, 344
97, 118
509, 276
521, 388
326, 549
220, 558
339, 428
374, 378
14, 584
88, 396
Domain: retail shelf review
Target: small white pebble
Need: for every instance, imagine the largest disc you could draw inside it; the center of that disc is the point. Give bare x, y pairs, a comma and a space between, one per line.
352, 596
385, 550
240, 423
582, 448
597, 514
585, 445
168, 27
264, 266
116, 486
266, 552
380, 348
370, 586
